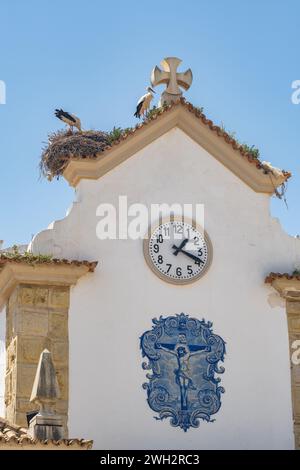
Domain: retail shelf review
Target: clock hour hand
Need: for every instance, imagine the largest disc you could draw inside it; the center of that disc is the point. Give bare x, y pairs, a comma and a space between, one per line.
179, 248
190, 255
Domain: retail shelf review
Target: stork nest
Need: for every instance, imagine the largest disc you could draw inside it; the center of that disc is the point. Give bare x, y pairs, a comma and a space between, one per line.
64, 145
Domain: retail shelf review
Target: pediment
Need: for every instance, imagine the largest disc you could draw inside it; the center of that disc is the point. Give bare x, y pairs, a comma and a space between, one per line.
194, 124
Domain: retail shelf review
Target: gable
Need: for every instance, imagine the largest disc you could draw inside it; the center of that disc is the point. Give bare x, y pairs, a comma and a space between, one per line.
192, 122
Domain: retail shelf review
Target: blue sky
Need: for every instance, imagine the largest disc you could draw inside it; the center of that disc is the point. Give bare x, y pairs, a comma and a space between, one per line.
94, 59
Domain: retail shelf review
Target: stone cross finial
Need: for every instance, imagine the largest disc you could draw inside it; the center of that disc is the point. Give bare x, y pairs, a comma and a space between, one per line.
47, 424
172, 79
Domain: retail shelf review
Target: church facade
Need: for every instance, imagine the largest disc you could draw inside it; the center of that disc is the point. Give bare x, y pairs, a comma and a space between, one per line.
204, 358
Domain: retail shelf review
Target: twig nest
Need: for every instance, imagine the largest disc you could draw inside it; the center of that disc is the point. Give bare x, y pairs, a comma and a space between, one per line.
64, 145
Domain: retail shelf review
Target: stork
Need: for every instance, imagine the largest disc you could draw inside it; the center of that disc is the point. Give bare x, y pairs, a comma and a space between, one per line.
70, 119
143, 103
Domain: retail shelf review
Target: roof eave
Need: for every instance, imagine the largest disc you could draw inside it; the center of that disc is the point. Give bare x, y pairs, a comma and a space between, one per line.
200, 130
14, 273
288, 285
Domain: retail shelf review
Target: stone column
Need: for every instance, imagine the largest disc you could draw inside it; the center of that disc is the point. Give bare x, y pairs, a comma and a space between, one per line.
37, 318
289, 289
37, 301
293, 317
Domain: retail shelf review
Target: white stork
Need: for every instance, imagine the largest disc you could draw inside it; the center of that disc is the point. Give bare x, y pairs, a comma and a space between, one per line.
70, 119
143, 103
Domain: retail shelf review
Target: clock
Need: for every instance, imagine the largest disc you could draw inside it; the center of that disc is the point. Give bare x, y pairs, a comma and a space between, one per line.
178, 251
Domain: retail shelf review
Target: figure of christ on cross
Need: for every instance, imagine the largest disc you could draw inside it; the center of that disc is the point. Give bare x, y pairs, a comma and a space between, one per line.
182, 352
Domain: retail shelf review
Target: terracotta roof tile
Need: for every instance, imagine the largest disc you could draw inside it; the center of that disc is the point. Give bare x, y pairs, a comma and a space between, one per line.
272, 276
39, 260
13, 434
201, 116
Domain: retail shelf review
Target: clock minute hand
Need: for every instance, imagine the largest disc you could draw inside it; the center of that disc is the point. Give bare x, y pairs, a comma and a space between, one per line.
179, 248
190, 255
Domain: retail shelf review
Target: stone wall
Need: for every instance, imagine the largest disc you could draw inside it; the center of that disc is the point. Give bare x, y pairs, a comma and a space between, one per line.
293, 316
2, 361
37, 318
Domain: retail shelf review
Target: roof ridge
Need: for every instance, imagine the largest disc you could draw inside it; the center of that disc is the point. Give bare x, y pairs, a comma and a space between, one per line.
198, 113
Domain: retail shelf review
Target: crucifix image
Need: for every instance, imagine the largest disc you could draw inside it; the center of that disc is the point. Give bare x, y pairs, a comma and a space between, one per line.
182, 351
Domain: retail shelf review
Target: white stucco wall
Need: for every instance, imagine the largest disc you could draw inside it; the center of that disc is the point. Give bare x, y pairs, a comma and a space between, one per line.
2, 361
111, 308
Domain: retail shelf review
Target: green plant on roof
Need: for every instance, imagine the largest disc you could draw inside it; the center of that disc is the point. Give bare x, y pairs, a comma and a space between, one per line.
116, 133
199, 109
63, 145
155, 111
251, 150
30, 258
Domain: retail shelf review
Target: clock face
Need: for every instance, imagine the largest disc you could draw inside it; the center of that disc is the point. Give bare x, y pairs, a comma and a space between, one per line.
178, 252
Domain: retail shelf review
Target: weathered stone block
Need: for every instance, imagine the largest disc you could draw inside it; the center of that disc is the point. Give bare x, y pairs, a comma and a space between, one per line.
63, 382
293, 307
10, 412
58, 327
23, 405
61, 407
8, 335
296, 402
11, 308
26, 295
294, 323
34, 323
60, 352
295, 373
60, 297
30, 348
41, 297
14, 382
297, 436
20, 419
25, 379
11, 354
13, 299
8, 388
33, 296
